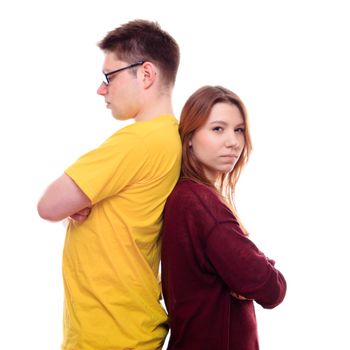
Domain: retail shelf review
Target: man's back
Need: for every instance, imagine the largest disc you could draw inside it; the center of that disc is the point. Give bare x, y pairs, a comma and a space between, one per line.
111, 260
114, 196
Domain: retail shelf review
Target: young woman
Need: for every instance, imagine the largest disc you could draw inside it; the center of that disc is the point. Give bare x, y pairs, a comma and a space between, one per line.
211, 270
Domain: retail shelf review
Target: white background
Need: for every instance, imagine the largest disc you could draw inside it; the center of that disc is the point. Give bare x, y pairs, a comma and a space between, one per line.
288, 60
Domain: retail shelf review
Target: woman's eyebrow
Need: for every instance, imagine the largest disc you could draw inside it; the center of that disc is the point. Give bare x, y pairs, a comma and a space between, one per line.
218, 122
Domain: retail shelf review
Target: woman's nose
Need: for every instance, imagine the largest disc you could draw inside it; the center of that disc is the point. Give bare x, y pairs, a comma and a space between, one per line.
231, 140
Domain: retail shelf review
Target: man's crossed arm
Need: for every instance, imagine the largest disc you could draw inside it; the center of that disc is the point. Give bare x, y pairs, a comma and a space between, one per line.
63, 199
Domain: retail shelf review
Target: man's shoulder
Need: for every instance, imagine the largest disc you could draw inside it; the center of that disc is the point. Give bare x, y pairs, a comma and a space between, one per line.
160, 135
158, 123
160, 129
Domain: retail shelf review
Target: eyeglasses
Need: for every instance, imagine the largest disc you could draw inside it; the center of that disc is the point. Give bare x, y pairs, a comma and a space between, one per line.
106, 79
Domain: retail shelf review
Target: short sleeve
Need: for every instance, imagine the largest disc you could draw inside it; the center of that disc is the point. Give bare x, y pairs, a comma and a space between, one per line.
110, 168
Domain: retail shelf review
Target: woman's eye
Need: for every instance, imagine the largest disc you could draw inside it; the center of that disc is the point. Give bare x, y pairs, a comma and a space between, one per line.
240, 130
218, 129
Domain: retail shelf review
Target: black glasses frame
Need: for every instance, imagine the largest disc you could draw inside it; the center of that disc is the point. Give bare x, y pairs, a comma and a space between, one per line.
106, 75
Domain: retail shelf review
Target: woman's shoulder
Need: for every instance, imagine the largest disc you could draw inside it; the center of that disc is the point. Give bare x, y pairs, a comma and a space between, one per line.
190, 196
194, 190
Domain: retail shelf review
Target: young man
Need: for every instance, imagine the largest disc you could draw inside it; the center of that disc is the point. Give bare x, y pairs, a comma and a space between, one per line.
114, 196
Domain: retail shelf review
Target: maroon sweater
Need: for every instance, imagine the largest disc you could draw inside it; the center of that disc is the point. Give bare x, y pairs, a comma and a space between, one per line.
205, 257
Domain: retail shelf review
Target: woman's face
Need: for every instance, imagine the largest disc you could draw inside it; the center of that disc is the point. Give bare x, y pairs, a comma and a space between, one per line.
219, 143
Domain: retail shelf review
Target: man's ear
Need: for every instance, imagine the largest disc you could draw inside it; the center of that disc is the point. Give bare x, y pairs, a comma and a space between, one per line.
149, 74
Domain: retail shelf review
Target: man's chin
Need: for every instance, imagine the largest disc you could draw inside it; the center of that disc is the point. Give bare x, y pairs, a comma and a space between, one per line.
121, 117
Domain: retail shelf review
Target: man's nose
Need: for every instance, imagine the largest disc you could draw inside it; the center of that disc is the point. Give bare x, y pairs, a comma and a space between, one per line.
102, 90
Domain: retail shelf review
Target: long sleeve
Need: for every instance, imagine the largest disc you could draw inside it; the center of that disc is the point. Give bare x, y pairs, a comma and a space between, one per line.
205, 257
245, 269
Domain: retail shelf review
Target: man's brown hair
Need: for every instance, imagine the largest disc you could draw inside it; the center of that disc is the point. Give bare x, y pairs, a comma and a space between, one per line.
144, 40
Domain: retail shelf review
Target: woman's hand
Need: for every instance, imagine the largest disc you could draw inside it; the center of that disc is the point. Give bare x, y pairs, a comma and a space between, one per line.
239, 297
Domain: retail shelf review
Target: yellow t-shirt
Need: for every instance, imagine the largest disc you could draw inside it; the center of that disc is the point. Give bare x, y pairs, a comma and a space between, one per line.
111, 260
